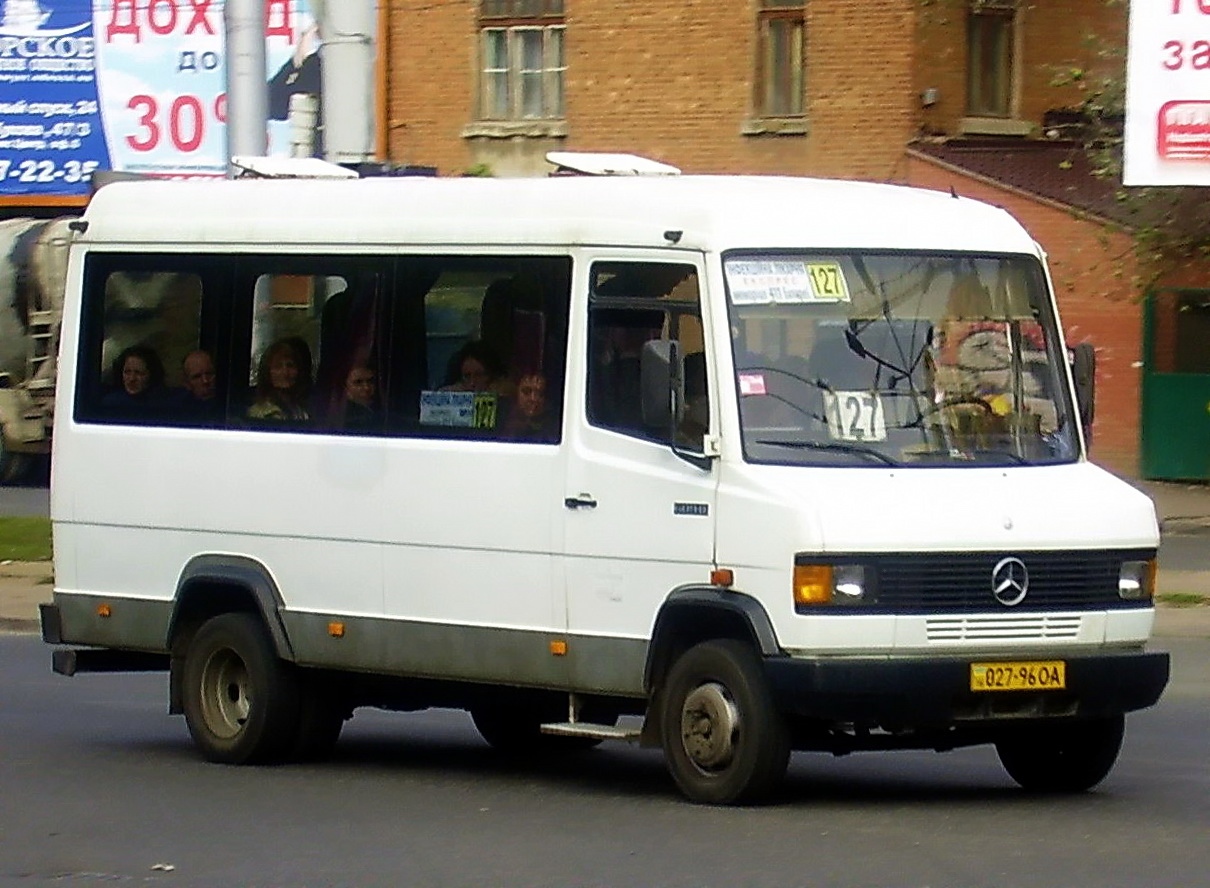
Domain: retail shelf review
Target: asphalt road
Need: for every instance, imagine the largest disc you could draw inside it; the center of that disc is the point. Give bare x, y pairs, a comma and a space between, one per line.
100, 786
1186, 550
25, 500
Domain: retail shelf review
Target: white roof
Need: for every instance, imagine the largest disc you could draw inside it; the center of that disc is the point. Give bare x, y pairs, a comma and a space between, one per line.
710, 212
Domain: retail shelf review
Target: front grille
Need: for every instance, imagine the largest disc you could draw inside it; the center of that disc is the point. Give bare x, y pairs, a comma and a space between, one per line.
962, 581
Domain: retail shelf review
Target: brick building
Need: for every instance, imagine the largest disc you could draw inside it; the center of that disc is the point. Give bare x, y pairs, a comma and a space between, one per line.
938, 93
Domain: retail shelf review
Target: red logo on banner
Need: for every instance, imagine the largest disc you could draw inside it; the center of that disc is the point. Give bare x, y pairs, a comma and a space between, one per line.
1183, 130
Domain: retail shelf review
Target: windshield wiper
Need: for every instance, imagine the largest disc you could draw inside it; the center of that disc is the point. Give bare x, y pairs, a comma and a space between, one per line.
858, 449
967, 455
1008, 455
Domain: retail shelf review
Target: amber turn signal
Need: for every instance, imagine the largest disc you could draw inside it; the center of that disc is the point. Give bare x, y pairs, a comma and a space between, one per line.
812, 583
723, 576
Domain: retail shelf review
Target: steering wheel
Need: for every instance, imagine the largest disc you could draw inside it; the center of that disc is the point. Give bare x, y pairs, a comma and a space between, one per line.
956, 401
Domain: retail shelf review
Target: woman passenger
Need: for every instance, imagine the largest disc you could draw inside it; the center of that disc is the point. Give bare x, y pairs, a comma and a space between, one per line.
138, 380
283, 383
476, 368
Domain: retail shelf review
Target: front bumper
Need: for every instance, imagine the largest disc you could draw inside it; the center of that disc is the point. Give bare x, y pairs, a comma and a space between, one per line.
902, 693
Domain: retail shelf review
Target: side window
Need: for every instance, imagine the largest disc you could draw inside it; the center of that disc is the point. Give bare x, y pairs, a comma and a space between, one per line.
432, 346
495, 342
311, 355
147, 357
630, 304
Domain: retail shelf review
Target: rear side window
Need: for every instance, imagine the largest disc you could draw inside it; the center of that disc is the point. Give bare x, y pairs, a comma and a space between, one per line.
145, 326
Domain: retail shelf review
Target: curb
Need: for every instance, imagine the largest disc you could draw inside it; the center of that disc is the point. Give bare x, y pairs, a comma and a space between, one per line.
1184, 524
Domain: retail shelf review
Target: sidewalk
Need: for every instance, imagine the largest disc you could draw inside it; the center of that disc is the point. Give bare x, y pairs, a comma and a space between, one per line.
1182, 508
23, 586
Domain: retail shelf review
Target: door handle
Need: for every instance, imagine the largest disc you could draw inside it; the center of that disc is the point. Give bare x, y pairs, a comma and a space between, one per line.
583, 501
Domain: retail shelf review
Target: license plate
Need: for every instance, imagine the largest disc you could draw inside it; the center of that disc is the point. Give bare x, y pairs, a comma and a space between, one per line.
1041, 675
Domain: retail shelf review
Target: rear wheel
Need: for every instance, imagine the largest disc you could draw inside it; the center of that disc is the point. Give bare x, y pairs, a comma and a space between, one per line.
1062, 757
724, 740
241, 702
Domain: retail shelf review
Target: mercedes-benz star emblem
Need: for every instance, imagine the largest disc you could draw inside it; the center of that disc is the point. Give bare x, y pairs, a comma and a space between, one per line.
1010, 581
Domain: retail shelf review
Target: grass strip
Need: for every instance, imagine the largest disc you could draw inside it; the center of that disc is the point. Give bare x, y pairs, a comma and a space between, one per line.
1182, 599
25, 539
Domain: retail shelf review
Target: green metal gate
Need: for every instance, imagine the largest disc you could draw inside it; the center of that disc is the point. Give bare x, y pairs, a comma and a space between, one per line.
1176, 386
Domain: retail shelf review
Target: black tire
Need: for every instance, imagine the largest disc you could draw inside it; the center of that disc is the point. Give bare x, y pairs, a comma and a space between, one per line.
724, 741
1064, 757
241, 702
321, 717
515, 731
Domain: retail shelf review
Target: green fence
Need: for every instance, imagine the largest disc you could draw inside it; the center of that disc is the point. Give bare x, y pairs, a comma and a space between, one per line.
1176, 386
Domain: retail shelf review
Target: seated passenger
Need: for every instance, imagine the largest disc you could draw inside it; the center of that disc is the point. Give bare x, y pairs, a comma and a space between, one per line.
283, 383
361, 400
615, 400
138, 379
530, 420
198, 400
476, 368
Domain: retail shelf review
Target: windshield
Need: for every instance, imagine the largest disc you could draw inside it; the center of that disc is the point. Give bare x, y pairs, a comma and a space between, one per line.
897, 359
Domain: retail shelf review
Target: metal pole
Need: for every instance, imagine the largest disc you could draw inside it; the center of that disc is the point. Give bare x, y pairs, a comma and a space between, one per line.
247, 90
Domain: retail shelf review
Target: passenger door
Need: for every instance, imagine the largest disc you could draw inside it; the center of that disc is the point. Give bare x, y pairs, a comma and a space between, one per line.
638, 518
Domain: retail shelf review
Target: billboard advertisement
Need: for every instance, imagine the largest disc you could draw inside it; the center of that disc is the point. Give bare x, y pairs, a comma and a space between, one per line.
134, 86
1168, 93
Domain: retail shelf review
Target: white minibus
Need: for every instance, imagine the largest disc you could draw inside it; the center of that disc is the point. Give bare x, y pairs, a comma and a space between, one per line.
735, 466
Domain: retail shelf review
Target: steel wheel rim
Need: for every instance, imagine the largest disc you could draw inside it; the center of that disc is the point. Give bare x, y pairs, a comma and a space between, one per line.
226, 700
710, 726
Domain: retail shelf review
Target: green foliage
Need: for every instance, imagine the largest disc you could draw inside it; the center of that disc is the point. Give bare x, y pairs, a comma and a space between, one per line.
1170, 224
25, 539
478, 171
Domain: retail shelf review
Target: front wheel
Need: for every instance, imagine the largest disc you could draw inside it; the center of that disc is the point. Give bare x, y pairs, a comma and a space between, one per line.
1062, 757
241, 702
724, 740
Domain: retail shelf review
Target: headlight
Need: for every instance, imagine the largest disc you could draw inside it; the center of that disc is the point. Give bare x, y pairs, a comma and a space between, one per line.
839, 584
1136, 580
848, 583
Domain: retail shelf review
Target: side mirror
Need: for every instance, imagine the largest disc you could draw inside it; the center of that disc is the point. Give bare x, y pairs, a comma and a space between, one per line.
1084, 373
662, 385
